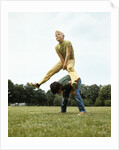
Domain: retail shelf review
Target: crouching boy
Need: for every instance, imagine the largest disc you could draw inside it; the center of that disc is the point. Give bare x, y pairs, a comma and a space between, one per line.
64, 86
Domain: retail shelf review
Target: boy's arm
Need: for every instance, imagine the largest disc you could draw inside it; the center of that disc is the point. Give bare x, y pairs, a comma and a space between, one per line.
61, 57
68, 51
70, 82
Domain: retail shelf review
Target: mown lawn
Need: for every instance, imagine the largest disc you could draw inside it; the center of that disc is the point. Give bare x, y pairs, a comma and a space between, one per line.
29, 121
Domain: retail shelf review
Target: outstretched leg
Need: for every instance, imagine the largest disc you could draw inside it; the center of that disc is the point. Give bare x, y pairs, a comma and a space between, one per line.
56, 68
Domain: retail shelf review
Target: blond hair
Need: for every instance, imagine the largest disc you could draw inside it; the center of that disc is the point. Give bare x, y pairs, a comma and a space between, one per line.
59, 32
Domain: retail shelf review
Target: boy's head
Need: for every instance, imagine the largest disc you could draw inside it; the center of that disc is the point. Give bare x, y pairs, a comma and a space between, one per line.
56, 87
59, 36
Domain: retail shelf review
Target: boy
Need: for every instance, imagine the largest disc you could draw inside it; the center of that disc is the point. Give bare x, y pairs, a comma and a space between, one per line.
66, 54
64, 86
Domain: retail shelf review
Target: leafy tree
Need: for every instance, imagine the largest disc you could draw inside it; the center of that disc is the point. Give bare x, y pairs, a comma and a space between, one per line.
41, 97
89, 93
35, 97
19, 93
58, 100
92, 92
50, 98
88, 102
98, 102
29, 94
11, 92
104, 94
107, 102
73, 102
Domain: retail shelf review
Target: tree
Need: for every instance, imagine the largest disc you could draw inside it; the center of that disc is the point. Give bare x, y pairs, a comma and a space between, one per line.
89, 92
104, 94
92, 92
19, 94
10, 92
72, 101
58, 100
107, 102
98, 102
50, 98
88, 102
41, 97
29, 94
92, 95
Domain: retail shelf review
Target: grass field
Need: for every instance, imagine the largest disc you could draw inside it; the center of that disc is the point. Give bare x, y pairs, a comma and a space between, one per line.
29, 121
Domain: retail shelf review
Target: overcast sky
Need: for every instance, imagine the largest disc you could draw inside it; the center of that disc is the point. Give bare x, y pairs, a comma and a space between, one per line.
31, 46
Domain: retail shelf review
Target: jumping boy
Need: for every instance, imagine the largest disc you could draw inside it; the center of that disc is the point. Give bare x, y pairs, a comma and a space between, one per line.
64, 86
65, 51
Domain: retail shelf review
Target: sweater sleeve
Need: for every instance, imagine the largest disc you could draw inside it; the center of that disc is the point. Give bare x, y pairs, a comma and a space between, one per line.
57, 49
68, 44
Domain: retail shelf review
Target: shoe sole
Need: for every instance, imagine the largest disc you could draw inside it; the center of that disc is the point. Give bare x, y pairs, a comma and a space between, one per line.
74, 85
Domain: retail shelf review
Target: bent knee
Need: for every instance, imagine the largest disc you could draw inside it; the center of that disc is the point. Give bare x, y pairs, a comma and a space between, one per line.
70, 68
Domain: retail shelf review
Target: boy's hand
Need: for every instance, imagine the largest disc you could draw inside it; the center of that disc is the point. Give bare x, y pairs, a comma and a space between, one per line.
64, 66
73, 93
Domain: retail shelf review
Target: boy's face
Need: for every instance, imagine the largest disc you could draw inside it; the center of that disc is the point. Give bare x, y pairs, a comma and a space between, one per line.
60, 90
59, 37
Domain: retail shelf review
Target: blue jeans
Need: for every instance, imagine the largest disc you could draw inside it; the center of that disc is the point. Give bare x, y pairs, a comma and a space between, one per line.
64, 104
65, 99
77, 97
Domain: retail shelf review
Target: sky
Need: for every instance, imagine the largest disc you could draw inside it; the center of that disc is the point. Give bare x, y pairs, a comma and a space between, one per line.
31, 45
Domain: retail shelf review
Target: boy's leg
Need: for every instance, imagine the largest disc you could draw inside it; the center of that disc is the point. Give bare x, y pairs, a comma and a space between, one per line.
70, 68
64, 104
79, 99
56, 68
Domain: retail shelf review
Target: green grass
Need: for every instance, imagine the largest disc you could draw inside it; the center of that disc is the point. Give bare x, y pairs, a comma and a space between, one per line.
31, 121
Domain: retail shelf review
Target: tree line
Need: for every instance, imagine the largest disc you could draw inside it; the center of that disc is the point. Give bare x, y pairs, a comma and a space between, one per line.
92, 95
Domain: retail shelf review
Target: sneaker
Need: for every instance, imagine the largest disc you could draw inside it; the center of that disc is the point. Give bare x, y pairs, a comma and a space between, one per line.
81, 113
36, 85
74, 85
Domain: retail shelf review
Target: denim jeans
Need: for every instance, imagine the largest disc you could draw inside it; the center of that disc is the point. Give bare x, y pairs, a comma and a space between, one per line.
77, 97
64, 104
65, 99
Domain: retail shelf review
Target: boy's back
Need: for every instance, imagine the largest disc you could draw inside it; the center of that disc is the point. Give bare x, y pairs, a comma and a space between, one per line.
65, 82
